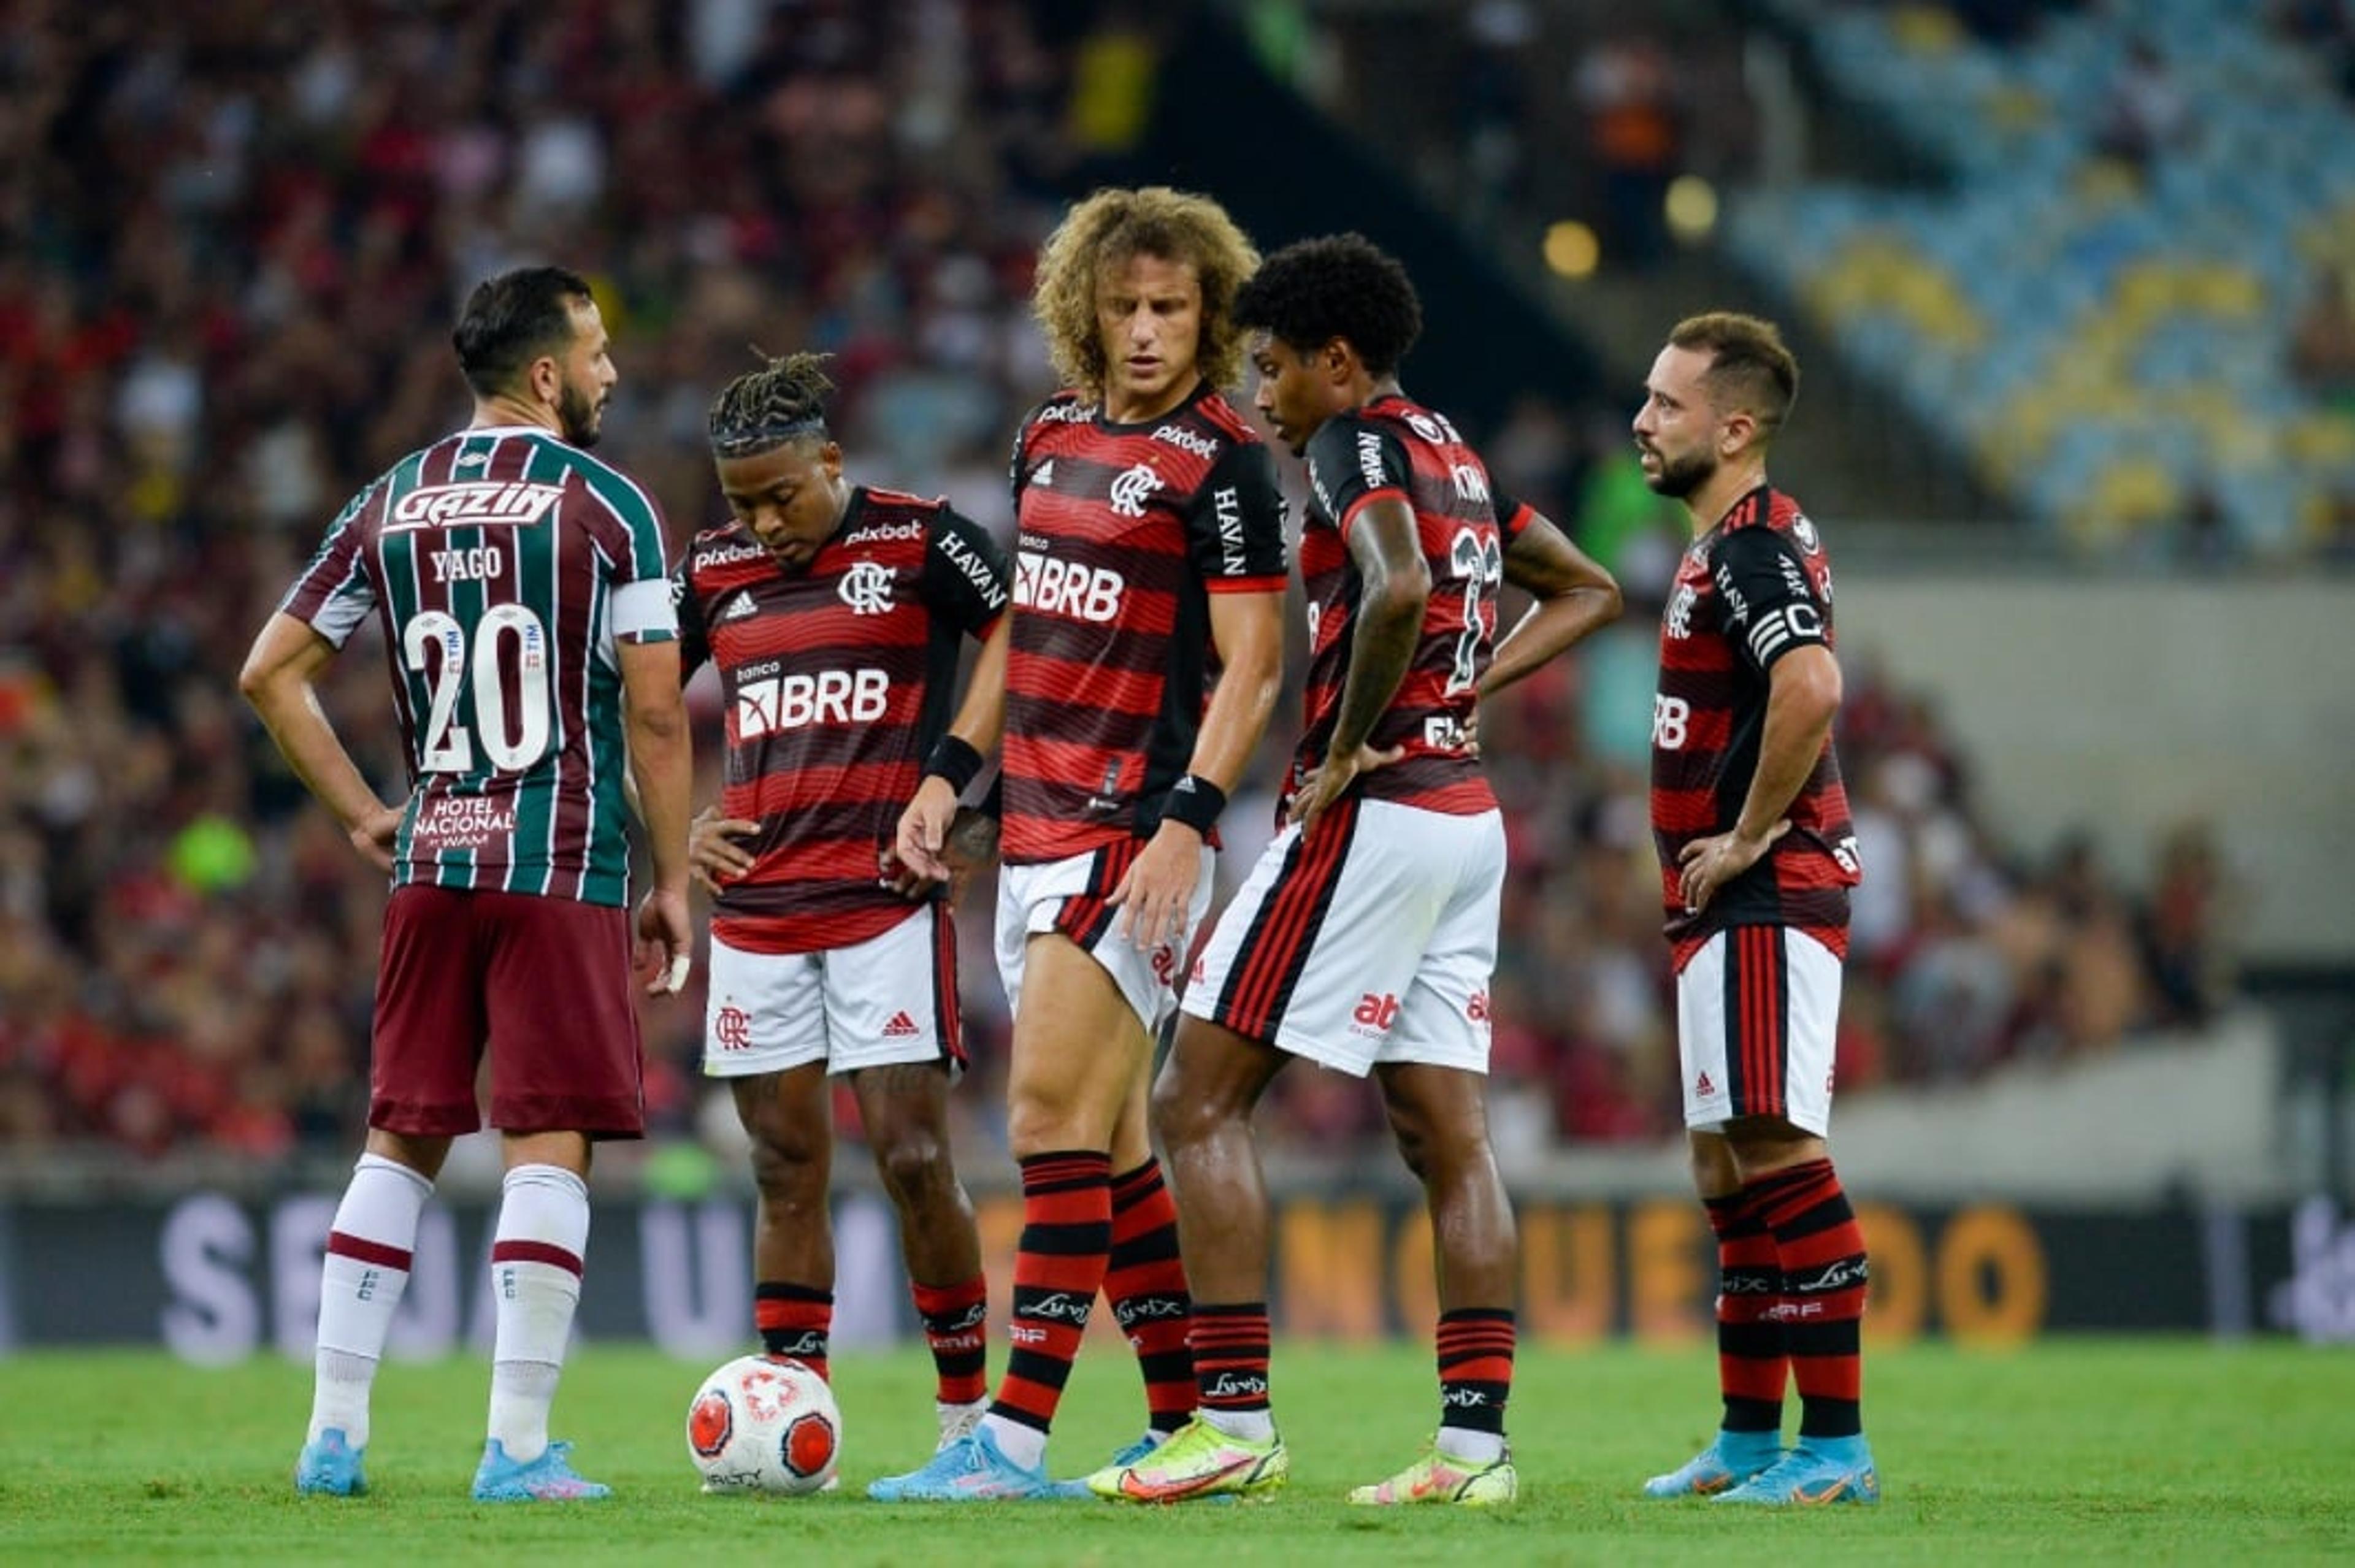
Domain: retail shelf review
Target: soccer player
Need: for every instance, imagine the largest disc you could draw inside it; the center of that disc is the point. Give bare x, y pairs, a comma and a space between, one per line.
835, 613
1757, 858
522, 588
1150, 555
1364, 939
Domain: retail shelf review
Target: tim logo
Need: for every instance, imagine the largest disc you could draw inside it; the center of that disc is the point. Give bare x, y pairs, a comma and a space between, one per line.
1375, 1013
865, 588
1132, 490
731, 1028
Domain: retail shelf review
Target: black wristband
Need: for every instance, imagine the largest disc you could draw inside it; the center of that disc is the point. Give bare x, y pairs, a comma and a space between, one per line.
1196, 802
954, 759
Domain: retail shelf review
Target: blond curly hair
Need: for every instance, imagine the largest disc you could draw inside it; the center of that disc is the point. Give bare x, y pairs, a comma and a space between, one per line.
1109, 228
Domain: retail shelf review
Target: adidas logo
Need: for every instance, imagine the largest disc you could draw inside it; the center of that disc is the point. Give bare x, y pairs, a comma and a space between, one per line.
1045, 473
900, 1027
739, 607
1703, 1087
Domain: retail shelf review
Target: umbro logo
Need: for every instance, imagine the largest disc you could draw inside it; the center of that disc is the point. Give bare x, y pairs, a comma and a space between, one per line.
900, 1027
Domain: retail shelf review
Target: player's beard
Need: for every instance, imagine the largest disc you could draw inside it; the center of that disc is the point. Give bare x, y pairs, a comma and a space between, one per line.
1679, 478
579, 414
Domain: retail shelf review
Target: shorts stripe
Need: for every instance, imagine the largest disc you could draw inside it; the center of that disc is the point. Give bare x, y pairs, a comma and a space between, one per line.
1086, 917
944, 986
1284, 932
1756, 1003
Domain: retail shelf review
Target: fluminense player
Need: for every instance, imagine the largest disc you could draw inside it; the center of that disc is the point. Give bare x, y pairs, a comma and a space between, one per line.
521, 587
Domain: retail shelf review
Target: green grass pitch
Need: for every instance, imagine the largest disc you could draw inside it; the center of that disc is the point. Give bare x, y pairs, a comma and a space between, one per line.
2072, 1451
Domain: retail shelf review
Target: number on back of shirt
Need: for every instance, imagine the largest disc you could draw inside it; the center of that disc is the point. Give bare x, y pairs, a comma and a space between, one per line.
512, 740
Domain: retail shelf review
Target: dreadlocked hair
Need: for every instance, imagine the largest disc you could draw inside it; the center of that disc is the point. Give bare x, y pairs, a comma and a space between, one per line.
783, 400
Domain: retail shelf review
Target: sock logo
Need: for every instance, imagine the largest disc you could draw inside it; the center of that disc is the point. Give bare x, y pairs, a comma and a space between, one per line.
1462, 1396
1236, 1385
1132, 1310
973, 1316
1057, 1304
1839, 1277
809, 1342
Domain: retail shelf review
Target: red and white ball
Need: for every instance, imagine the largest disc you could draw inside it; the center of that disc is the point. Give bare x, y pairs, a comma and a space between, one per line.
762, 1424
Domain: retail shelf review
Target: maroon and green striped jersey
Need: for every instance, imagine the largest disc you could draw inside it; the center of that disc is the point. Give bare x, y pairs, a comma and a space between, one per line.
1752, 589
1394, 448
1124, 531
503, 565
838, 679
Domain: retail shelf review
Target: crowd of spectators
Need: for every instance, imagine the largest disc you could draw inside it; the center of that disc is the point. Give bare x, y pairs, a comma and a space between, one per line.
232, 237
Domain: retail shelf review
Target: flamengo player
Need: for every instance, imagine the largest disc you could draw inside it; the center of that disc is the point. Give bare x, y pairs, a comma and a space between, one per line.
520, 583
1757, 858
1150, 553
1364, 939
835, 613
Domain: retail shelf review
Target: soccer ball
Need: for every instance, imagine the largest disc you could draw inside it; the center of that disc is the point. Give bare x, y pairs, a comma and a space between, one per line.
763, 1424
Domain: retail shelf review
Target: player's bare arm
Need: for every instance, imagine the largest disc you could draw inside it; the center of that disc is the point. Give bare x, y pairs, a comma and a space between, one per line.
1572, 595
714, 856
1388, 552
279, 679
662, 763
1803, 694
925, 826
1247, 629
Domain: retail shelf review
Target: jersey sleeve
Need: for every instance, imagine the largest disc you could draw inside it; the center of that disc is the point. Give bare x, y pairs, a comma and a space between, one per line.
1513, 515
1234, 528
966, 576
637, 565
1770, 606
694, 646
1014, 476
1353, 461
335, 594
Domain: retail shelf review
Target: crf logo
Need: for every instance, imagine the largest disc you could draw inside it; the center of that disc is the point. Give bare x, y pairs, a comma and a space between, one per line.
1132, 490
733, 1027
1375, 1013
1681, 609
866, 587
1476, 1009
1165, 964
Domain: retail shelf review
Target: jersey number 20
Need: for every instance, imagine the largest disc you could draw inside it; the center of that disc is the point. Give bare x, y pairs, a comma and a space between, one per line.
512, 741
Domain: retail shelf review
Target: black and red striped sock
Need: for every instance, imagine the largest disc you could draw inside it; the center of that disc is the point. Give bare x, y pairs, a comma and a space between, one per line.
1230, 1355
1475, 1367
1824, 1278
1059, 1266
794, 1320
1146, 1283
1752, 1364
956, 1327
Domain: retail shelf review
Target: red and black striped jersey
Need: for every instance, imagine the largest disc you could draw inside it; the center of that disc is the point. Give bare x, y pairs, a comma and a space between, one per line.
837, 679
502, 564
1124, 531
1395, 448
1752, 589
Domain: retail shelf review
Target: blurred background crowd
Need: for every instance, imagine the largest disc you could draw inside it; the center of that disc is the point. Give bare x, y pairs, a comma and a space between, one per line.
232, 237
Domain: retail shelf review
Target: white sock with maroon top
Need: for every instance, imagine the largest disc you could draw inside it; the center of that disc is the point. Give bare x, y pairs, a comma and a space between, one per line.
536, 1283
360, 1280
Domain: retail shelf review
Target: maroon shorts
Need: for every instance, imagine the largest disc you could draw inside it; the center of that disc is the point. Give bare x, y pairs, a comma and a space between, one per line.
543, 982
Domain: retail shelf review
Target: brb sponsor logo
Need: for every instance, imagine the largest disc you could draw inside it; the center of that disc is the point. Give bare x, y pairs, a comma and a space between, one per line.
825, 697
1071, 588
1375, 1012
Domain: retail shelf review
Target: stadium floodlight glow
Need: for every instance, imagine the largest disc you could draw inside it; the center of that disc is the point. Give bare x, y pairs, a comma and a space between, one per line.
1572, 250
1691, 206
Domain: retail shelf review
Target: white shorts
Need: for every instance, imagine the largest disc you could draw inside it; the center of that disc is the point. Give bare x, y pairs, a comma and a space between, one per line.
1068, 897
890, 998
1757, 1010
1373, 942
